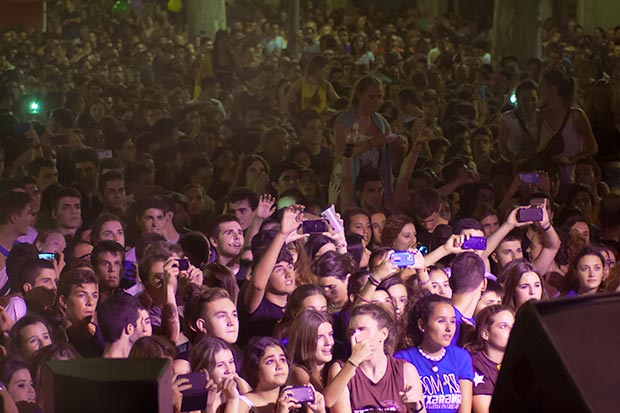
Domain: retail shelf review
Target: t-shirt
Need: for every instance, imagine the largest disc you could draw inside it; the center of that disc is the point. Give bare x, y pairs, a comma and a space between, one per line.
441, 388
261, 322
16, 308
485, 374
460, 322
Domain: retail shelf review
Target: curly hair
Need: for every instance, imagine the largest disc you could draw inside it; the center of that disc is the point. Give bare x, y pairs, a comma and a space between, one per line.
422, 310
393, 226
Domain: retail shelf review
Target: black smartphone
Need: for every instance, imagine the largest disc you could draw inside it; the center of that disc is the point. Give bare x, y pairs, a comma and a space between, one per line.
317, 226
183, 264
475, 243
303, 394
530, 215
130, 275
194, 398
49, 256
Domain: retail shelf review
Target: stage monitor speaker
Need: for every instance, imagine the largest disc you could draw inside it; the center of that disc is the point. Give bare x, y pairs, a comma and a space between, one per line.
108, 385
562, 356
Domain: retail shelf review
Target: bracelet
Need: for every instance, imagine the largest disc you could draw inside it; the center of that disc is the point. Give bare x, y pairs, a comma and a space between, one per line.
351, 363
372, 280
341, 246
546, 229
425, 282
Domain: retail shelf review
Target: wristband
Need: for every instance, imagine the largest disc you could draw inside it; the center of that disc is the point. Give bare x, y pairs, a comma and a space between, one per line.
373, 280
341, 246
353, 364
425, 282
546, 229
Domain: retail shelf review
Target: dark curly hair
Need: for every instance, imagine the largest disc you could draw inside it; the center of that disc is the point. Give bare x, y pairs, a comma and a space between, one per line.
422, 310
254, 351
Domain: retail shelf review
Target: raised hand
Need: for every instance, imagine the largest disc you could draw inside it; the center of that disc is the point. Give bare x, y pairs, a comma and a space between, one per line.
291, 219
265, 207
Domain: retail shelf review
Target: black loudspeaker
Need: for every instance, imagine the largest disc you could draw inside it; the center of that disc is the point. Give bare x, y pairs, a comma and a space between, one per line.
107, 385
562, 356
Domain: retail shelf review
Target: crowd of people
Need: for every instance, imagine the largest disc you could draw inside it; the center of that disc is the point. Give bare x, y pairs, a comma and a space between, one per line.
165, 196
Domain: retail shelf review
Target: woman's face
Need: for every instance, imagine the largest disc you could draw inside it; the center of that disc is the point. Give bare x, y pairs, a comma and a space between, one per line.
398, 294
583, 201
528, 288
440, 284
406, 238
272, 368
360, 225
370, 100
303, 159
316, 302
497, 335
255, 169
581, 230
366, 328
21, 387
196, 201
34, 337
307, 186
325, 343
441, 325
589, 273
224, 366
377, 221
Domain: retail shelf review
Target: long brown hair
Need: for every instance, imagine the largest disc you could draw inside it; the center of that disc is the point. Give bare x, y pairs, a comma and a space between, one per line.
511, 274
384, 319
484, 320
362, 86
302, 343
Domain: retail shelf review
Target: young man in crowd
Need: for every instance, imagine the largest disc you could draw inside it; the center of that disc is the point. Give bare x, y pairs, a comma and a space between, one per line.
67, 211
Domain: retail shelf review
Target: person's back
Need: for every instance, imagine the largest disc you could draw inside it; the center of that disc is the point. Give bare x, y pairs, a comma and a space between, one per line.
467, 282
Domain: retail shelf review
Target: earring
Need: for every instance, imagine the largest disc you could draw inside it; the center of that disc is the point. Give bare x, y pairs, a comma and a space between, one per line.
423, 330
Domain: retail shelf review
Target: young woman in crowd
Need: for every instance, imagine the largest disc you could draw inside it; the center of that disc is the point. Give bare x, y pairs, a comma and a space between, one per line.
522, 283
308, 296
487, 347
371, 378
585, 275
446, 371
310, 347
266, 370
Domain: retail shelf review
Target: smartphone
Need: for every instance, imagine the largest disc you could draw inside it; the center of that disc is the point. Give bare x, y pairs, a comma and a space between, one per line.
49, 256
183, 264
130, 275
317, 226
402, 258
530, 178
303, 394
194, 398
530, 215
475, 243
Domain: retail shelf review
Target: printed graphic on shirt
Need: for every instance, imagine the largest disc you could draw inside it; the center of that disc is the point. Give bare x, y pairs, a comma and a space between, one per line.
441, 391
478, 378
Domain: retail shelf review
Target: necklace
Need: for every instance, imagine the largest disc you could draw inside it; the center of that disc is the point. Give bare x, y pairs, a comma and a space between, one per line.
434, 359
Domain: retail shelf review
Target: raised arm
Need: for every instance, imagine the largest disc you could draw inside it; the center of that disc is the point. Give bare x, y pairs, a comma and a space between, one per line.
551, 243
254, 294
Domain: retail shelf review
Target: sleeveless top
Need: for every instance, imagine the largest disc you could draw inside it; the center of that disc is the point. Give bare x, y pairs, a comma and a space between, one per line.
347, 120
313, 96
368, 396
573, 144
521, 138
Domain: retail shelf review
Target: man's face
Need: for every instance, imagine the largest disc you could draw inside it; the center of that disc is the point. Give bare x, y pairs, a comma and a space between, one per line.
69, 212
153, 220
81, 302
482, 146
507, 252
113, 197
47, 176
47, 279
229, 240
243, 212
143, 326
86, 174
372, 194
289, 179
108, 270
277, 148
312, 134
430, 223
54, 242
221, 320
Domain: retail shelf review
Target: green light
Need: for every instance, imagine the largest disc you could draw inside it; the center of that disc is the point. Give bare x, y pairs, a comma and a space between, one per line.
34, 107
513, 99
